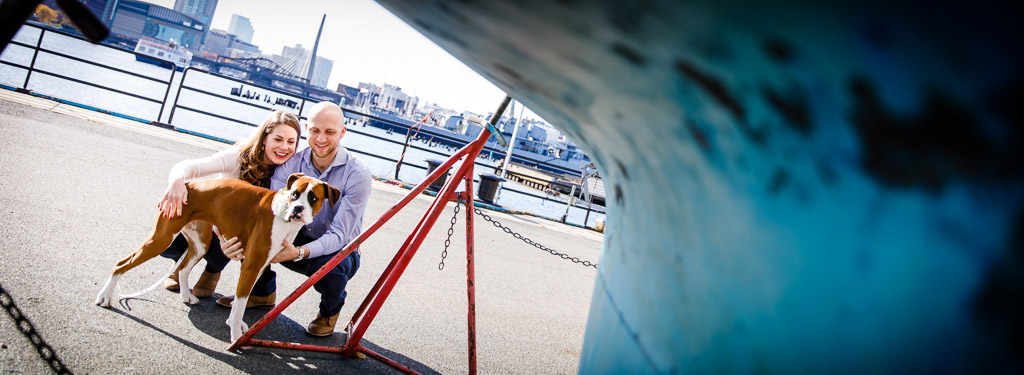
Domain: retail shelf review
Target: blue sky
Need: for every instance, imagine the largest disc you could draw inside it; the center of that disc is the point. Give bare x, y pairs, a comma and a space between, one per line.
367, 44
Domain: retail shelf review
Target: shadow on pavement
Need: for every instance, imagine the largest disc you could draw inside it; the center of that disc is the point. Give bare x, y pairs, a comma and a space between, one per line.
209, 318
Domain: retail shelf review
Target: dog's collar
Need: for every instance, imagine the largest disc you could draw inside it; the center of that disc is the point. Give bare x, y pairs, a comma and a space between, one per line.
280, 204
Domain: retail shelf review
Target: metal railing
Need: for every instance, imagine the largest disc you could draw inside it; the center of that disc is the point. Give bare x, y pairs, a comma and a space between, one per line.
302, 102
188, 90
461, 143
38, 48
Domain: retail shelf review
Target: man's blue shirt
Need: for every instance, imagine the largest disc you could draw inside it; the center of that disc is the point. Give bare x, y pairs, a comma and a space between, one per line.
334, 226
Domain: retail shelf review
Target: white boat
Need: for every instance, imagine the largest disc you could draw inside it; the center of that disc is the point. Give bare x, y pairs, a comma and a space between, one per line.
595, 187
160, 52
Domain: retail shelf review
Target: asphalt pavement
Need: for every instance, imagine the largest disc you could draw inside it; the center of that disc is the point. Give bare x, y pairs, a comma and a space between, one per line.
78, 191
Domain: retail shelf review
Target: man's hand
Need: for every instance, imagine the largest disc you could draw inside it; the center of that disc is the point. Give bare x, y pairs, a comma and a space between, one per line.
231, 247
289, 252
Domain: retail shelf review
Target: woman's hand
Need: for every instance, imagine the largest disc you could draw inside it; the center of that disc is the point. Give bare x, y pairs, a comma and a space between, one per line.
174, 197
231, 247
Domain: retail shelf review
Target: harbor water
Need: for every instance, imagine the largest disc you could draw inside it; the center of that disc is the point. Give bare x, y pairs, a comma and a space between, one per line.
205, 104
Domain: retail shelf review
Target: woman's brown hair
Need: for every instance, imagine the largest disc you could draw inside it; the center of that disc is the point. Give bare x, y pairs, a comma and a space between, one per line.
254, 169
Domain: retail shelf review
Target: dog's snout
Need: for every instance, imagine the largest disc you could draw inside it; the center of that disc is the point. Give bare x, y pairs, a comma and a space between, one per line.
298, 209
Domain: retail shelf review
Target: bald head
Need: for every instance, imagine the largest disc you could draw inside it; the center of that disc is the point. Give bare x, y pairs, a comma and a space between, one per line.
326, 113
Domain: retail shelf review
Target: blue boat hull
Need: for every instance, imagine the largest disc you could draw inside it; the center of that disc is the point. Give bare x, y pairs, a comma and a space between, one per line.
793, 188
163, 64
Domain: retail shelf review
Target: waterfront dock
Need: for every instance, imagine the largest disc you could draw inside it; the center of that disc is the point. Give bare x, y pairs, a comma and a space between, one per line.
80, 190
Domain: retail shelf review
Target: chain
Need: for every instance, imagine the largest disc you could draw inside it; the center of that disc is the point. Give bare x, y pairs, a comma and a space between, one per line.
533, 243
447, 242
27, 329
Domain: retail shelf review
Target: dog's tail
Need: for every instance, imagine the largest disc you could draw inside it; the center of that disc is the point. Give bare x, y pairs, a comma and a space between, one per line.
158, 281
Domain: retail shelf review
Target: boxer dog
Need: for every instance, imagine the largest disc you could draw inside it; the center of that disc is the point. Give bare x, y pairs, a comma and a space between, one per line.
261, 219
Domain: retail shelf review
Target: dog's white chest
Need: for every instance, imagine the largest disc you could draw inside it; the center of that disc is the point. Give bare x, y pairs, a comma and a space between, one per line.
282, 231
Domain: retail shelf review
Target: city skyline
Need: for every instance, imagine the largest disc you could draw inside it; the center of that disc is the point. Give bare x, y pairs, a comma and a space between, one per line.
240, 27
367, 44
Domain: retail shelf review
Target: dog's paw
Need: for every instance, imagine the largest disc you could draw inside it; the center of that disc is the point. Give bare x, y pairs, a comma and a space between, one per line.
236, 334
237, 330
103, 301
107, 293
189, 299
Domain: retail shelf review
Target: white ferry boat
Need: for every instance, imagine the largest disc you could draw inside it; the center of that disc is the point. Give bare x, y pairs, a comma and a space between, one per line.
161, 50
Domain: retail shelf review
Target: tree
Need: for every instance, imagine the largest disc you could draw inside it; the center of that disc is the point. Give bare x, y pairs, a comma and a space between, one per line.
46, 15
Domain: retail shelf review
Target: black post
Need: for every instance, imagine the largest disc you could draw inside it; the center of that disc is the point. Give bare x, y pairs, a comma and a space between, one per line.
170, 82
398, 167
32, 65
177, 96
590, 203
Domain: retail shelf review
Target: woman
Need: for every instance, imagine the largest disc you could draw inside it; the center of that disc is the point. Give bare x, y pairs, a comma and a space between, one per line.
252, 160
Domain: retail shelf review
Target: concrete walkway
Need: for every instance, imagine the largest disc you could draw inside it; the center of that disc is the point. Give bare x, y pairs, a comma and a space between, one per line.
79, 191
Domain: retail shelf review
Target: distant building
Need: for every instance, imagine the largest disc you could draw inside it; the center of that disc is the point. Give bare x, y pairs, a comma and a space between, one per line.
239, 48
134, 20
295, 60
241, 27
223, 43
439, 116
390, 98
468, 129
217, 42
201, 10
321, 71
350, 93
297, 53
454, 124
103, 9
538, 133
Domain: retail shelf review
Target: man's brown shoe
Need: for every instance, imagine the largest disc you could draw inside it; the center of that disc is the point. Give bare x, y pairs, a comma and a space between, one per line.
322, 326
255, 302
206, 284
172, 282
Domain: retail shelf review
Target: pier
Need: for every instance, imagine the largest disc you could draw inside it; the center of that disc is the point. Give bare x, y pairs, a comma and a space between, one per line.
80, 193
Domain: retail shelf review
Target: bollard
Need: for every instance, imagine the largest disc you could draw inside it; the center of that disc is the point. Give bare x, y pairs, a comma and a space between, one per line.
569, 203
439, 182
489, 183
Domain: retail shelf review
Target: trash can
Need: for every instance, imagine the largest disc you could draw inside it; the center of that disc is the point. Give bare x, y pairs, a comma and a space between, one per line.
488, 187
432, 164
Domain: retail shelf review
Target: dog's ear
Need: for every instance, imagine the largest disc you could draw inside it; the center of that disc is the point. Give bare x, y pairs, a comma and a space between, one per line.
333, 194
292, 178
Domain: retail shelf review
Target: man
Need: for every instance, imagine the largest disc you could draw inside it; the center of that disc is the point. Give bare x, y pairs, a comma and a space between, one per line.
331, 229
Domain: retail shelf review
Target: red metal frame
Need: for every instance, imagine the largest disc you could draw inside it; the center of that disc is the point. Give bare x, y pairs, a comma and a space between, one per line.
368, 309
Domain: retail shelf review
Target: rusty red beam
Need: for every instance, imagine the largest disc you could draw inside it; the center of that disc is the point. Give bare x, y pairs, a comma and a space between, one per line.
368, 309
417, 236
387, 282
387, 276
470, 288
328, 349
294, 346
377, 285
443, 168
385, 360
351, 246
